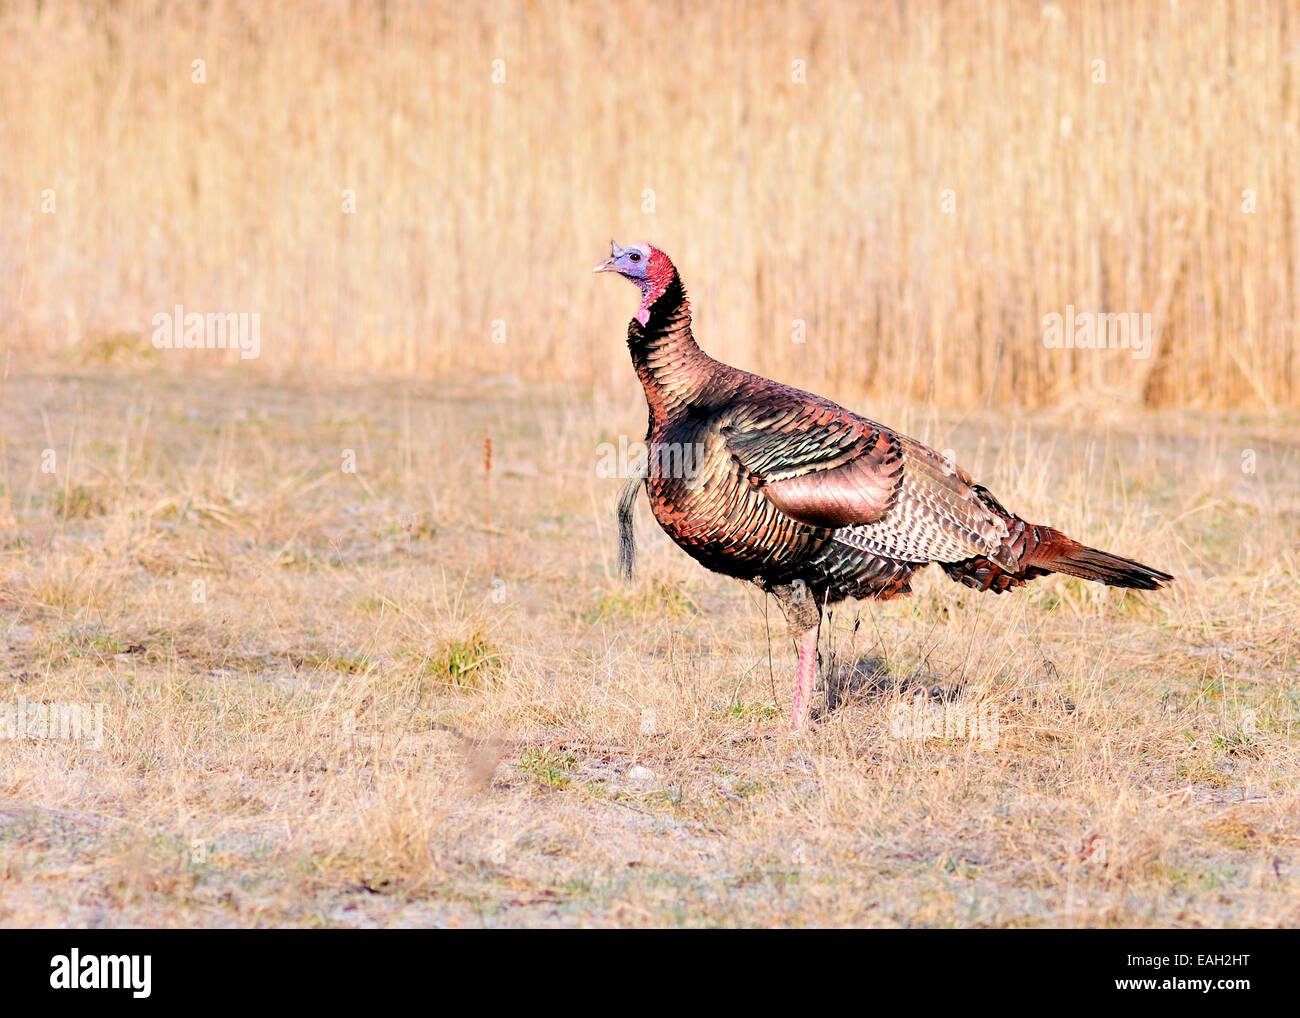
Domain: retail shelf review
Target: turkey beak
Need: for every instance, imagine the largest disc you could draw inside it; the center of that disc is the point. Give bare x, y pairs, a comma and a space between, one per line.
615, 253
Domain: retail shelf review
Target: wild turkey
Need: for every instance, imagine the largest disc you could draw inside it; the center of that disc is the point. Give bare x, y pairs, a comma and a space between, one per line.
766, 483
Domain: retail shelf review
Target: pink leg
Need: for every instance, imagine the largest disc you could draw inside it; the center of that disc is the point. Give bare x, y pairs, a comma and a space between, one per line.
803, 680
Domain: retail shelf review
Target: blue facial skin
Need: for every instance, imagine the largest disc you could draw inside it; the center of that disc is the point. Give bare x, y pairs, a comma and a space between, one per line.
626, 261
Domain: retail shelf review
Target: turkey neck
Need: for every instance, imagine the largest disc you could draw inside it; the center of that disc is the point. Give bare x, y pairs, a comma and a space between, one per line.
674, 371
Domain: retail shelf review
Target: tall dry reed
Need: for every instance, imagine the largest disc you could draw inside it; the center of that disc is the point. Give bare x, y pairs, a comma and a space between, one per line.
920, 185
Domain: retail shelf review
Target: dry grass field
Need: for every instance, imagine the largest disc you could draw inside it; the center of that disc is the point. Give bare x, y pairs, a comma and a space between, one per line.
381, 708
349, 610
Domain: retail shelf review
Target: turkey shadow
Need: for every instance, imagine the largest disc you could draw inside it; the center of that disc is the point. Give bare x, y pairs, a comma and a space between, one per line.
869, 678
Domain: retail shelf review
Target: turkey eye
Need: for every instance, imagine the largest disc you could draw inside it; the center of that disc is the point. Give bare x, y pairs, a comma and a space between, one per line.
635, 256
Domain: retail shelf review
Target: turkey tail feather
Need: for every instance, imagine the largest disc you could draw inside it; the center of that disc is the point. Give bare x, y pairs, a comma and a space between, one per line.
1040, 550
1103, 567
